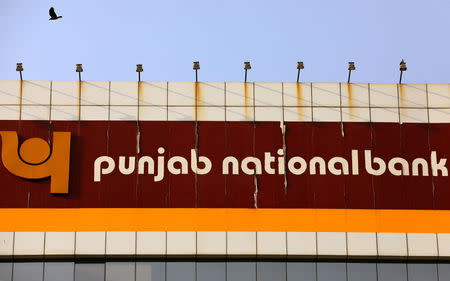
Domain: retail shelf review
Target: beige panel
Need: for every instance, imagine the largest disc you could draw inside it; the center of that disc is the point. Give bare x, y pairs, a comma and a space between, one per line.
236, 95
327, 114
383, 95
422, 245
269, 114
123, 113
211, 94
412, 95
362, 244
268, 94
444, 244
297, 94
413, 115
6, 243
121, 243
326, 94
355, 94
35, 112
181, 93
271, 243
36, 92
153, 113
300, 114
181, 113
64, 112
355, 114
9, 92
301, 244
151, 243
210, 113
239, 113
153, 93
211, 243
392, 244
94, 93
385, 115
241, 243
94, 112
29, 243
331, 244
181, 243
59, 243
439, 115
64, 93
9, 112
90, 243
124, 93
439, 95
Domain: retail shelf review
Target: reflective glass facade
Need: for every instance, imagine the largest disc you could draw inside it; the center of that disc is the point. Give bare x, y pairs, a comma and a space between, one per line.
223, 271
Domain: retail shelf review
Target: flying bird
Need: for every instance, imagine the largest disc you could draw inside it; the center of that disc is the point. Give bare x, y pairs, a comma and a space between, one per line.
53, 15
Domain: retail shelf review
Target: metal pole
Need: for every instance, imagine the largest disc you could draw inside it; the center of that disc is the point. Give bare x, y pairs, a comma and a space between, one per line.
245, 76
79, 76
298, 75
196, 76
401, 74
349, 73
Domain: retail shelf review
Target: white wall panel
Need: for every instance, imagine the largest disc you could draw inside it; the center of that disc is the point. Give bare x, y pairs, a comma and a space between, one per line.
64, 93
124, 93
181, 93
90, 243
120, 243
331, 244
297, 114
181, 243
355, 94
211, 94
413, 95
60, 243
268, 94
36, 93
392, 244
383, 95
153, 93
271, 243
301, 243
234, 113
29, 244
362, 244
326, 94
6, 243
9, 92
239, 94
9, 112
211, 243
95, 93
151, 243
297, 94
241, 243
438, 95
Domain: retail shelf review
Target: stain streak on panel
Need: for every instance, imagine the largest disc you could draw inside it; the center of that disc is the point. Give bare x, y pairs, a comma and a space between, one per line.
299, 101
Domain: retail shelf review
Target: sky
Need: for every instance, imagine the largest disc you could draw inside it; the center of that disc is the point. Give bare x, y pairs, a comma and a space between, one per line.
109, 37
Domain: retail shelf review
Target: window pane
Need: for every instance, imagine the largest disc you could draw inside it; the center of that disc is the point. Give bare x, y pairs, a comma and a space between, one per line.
89, 272
241, 271
59, 271
120, 271
301, 271
391, 272
180, 271
6, 271
210, 271
335, 271
28, 271
362, 271
422, 272
150, 271
444, 271
271, 271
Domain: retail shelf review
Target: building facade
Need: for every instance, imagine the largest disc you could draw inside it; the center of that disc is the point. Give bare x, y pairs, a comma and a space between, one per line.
224, 181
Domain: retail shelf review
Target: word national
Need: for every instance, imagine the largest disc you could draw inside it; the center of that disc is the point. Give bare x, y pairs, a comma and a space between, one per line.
270, 164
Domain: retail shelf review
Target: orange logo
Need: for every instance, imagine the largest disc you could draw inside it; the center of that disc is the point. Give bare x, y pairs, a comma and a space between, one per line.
36, 160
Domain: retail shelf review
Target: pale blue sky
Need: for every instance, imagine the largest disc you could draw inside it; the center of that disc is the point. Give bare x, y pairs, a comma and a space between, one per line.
109, 37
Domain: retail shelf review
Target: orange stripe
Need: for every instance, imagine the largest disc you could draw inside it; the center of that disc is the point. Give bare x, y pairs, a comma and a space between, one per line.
328, 220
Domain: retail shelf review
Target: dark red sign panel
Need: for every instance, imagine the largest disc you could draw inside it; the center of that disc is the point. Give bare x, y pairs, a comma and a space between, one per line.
240, 165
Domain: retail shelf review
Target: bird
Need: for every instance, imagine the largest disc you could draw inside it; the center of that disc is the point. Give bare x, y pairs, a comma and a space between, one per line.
53, 15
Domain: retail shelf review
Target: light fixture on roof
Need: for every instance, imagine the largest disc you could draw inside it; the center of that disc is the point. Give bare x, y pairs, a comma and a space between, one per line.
351, 66
247, 66
19, 68
79, 69
196, 67
299, 67
139, 69
402, 68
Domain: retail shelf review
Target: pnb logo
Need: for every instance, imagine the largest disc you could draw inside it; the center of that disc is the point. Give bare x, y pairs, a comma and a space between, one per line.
37, 160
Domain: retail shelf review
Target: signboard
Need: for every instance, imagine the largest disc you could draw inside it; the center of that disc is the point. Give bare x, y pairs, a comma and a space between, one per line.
174, 164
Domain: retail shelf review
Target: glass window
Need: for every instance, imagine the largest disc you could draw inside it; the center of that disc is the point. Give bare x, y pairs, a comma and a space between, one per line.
59, 271
120, 271
271, 271
362, 271
180, 271
444, 271
241, 271
422, 272
210, 271
392, 272
90, 272
150, 271
301, 271
28, 271
335, 271
6, 271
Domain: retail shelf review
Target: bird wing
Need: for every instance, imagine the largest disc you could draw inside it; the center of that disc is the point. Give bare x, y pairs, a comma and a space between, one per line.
52, 13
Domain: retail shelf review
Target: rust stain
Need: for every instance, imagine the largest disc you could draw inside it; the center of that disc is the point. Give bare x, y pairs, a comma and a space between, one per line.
350, 100
246, 100
299, 101
140, 93
402, 93
79, 99
198, 100
20, 100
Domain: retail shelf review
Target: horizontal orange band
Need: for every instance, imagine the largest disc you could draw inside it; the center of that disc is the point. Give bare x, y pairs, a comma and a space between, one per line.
190, 219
